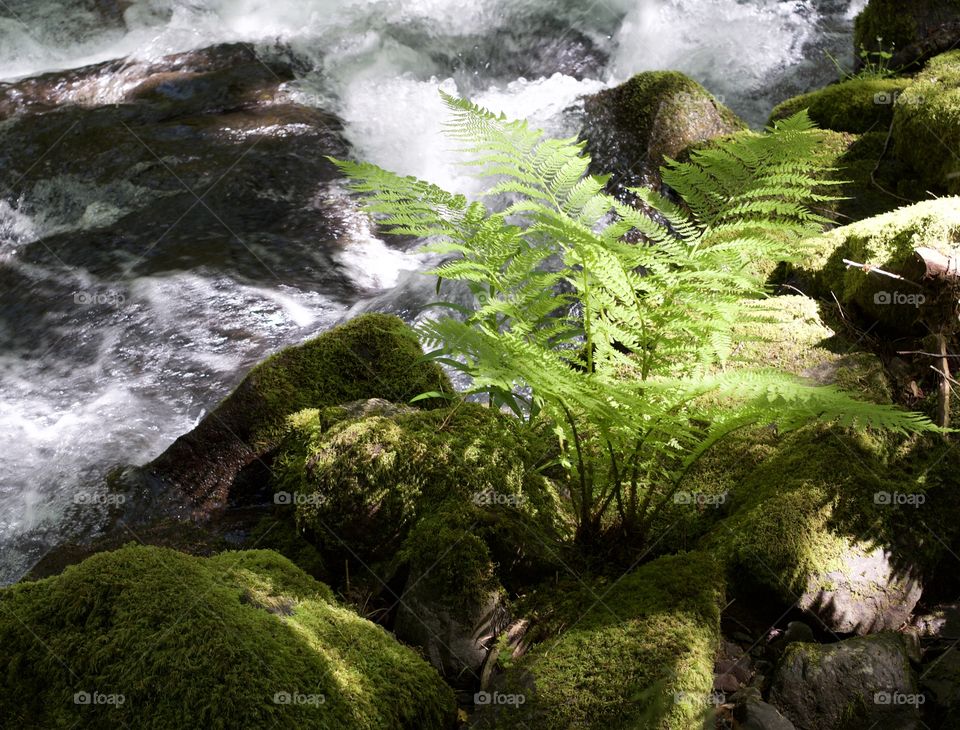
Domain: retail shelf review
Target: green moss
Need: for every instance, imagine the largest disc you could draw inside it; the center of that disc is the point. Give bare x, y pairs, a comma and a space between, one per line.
856, 106
926, 130
452, 560
366, 482
192, 642
637, 653
656, 114
888, 242
372, 356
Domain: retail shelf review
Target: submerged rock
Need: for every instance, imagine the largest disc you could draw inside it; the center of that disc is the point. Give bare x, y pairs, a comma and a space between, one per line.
630, 129
372, 356
858, 684
237, 640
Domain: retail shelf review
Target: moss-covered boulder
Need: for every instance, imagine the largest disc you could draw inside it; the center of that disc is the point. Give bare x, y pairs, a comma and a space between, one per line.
365, 482
859, 105
892, 25
453, 606
631, 128
926, 130
799, 532
634, 653
152, 638
443, 507
888, 242
858, 684
372, 356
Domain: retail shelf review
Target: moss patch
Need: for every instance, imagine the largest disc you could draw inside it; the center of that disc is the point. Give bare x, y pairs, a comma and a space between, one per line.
856, 106
635, 653
632, 127
926, 128
888, 242
216, 642
368, 482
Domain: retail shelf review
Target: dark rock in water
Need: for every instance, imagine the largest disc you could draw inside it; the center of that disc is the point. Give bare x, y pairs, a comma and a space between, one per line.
631, 129
860, 683
228, 454
201, 164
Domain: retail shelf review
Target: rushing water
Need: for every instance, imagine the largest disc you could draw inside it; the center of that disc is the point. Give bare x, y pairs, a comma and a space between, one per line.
105, 360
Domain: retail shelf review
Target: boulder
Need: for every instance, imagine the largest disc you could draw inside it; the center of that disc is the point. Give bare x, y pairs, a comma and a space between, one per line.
857, 684
240, 639
372, 356
630, 129
752, 713
858, 105
926, 129
453, 607
637, 652
893, 243
360, 485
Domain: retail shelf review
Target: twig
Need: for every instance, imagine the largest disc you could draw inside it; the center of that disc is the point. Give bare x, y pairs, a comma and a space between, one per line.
870, 269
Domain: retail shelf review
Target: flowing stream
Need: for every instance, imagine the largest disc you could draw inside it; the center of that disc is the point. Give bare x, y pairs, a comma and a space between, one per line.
142, 272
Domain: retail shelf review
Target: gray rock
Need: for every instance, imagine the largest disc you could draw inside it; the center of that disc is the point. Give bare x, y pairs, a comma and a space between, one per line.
941, 678
456, 643
861, 683
943, 622
755, 714
866, 595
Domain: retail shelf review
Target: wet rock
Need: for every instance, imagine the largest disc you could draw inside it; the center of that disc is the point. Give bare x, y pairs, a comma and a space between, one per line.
859, 683
197, 162
631, 128
227, 456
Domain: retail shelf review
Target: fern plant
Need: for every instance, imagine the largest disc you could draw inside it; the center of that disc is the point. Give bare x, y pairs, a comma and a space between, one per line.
623, 346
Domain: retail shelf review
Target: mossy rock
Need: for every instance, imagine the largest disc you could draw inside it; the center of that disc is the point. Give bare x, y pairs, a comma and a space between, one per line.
632, 128
372, 356
166, 640
900, 24
887, 242
809, 527
837, 685
635, 653
926, 130
361, 484
856, 106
